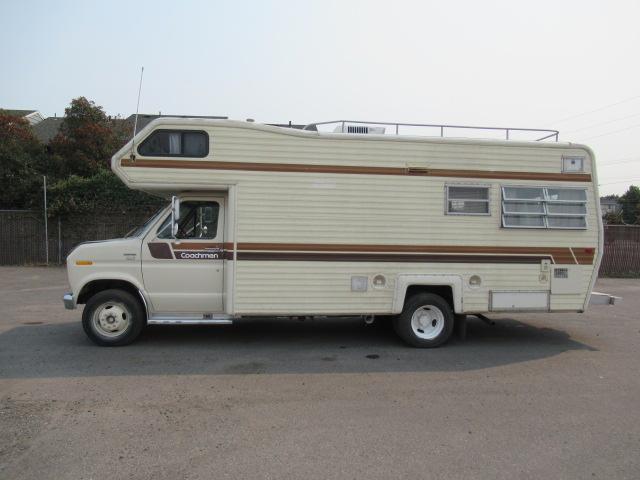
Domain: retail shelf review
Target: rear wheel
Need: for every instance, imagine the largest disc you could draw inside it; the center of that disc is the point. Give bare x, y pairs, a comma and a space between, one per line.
425, 322
113, 318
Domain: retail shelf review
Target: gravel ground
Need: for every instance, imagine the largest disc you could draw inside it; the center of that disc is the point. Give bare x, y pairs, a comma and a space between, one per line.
535, 396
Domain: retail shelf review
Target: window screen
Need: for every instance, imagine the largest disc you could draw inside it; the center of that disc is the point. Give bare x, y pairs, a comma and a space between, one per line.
175, 143
467, 200
540, 207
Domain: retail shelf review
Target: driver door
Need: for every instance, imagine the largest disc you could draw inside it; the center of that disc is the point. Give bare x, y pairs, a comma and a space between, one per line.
186, 274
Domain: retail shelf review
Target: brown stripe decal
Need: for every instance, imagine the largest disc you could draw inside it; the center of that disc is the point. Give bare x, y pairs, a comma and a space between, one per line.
392, 257
378, 253
201, 246
354, 170
160, 250
558, 254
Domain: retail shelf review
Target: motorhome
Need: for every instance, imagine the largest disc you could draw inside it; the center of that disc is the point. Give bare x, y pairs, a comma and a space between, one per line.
360, 220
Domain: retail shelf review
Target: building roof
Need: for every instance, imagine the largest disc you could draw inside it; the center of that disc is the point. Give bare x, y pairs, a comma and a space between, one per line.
33, 116
47, 129
17, 113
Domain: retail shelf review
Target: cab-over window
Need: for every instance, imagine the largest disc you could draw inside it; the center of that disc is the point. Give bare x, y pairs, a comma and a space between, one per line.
175, 143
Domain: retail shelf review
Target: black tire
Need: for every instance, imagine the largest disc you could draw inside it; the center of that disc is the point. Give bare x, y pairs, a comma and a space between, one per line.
128, 312
440, 319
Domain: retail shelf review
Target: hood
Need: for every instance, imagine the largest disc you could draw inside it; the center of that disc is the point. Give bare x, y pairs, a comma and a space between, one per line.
117, 249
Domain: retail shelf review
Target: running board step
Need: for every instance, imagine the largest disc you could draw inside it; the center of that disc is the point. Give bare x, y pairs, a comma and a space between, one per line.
190, 320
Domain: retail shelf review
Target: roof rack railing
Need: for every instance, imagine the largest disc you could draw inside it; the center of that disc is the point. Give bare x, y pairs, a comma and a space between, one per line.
443, 128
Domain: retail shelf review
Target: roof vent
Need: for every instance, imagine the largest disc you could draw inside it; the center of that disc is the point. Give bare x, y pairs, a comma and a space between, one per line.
361, 129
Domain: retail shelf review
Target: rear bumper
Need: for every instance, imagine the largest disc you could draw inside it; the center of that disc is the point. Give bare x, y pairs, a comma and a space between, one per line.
598, 298
69, 302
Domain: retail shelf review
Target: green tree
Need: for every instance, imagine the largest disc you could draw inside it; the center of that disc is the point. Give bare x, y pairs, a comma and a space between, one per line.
21, 162
613, 218
101, 193
86, 141
631, 205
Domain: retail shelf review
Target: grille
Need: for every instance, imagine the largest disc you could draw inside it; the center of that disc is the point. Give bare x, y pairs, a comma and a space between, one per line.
561, 273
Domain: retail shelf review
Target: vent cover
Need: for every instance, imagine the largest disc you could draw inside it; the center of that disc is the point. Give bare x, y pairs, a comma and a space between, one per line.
560, 273
360, 129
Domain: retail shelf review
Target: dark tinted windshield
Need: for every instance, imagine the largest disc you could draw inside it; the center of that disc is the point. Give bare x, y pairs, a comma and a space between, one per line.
137, 231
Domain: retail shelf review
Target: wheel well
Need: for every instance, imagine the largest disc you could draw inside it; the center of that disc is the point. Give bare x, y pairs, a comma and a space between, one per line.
95, 286
445, 291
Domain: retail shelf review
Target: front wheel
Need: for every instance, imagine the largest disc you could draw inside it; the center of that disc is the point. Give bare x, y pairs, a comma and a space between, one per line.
425, 322
113, 318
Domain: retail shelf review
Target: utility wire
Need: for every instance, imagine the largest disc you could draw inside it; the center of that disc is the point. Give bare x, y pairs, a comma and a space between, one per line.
601, 123
637, 160
630, 99
611, 133
620, 181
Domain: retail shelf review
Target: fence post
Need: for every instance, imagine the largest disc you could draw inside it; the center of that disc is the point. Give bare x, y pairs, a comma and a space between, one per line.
46, 224
59, 241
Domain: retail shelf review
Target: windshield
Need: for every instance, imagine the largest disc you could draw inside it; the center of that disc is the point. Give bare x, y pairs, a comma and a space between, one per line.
138, 231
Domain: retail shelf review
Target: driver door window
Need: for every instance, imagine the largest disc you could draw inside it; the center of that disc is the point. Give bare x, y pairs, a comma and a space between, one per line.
198, 220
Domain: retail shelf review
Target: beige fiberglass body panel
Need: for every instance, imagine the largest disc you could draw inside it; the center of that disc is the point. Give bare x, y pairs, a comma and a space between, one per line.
329, 208
324, 287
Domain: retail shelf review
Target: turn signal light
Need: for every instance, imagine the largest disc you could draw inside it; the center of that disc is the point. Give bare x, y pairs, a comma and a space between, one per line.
84, 262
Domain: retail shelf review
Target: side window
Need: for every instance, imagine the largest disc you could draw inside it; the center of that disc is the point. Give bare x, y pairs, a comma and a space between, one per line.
467, 200
540, 207
197, 220
175, 143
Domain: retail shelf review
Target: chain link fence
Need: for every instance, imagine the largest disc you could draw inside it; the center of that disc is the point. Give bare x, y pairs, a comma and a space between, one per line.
621, 256
22, 237
23, 242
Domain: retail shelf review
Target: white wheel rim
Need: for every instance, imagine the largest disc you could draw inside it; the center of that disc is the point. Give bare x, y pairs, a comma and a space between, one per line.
427, 322
111, 319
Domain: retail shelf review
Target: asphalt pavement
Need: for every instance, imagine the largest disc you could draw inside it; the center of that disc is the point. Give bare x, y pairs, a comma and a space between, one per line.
533, 396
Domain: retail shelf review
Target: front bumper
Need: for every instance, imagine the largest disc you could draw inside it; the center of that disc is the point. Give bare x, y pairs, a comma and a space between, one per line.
69, 302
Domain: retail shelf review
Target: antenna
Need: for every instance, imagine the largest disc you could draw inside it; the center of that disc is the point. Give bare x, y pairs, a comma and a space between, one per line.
135, 122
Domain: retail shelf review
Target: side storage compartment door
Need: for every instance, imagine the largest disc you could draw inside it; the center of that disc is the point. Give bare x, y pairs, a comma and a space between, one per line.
186, 274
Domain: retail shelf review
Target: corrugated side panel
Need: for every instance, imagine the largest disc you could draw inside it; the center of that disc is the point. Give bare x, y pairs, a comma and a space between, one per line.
325, 287
244, 144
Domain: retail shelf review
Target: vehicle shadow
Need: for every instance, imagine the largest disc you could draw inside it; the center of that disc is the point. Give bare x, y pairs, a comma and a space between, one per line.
270, 346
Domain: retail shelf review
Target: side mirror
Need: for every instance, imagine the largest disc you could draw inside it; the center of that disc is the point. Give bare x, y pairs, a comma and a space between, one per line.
175, 215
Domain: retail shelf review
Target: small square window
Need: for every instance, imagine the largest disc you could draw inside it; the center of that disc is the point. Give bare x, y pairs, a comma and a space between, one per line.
467, 200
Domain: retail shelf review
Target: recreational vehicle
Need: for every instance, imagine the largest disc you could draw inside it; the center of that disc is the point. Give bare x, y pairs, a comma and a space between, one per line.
360, 220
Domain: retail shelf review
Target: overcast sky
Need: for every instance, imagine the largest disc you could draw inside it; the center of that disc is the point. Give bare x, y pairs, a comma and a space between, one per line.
570, 65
